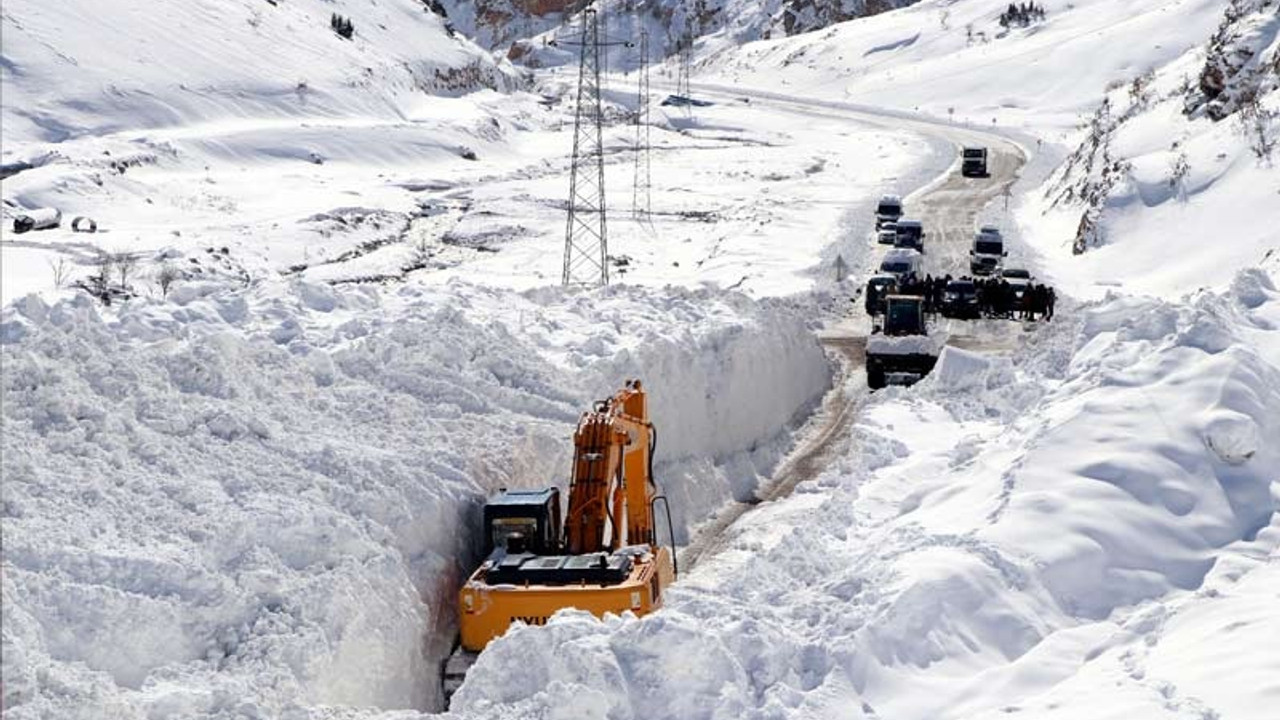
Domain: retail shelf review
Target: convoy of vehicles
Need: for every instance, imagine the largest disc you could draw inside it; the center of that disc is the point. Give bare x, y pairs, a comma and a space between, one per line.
901, 349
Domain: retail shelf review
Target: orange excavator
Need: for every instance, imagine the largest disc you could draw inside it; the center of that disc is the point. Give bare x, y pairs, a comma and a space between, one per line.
604, 557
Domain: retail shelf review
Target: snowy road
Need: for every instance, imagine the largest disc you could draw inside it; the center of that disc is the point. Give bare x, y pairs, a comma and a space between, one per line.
949, 206
823, 438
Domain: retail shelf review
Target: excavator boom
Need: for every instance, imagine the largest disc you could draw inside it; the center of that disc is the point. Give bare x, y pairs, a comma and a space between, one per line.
611, 494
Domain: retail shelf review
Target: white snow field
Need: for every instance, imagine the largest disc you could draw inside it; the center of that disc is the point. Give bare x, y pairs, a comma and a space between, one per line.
252, 495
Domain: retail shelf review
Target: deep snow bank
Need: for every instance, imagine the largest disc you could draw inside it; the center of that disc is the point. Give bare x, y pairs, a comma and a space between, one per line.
261, 502
1058, 543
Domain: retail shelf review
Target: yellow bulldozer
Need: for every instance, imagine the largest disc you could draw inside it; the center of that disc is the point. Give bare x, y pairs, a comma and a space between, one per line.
602, 555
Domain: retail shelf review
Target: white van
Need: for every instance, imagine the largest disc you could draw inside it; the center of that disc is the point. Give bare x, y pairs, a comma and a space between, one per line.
888, 210
987, 254
903, 264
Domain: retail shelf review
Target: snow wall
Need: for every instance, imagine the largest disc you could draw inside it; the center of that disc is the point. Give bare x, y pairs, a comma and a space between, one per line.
262, 501
1065, 503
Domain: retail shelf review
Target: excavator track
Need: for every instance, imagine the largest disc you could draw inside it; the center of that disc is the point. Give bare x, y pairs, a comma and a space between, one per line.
454, 672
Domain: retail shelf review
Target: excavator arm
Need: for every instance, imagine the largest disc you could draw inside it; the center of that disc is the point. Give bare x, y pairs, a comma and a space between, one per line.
612, 488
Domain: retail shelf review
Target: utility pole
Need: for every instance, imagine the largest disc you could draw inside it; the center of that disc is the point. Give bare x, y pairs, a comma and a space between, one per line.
586, 239
641, 204
686, 59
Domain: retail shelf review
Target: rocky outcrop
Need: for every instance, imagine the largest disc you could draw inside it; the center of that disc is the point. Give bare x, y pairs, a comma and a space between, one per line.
1242, 60
801, 16
512, 24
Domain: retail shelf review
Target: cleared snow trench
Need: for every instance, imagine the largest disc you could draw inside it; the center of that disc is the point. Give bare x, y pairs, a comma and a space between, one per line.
304, 474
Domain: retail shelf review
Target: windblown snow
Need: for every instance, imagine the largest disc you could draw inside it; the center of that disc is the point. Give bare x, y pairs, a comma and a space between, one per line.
251, 490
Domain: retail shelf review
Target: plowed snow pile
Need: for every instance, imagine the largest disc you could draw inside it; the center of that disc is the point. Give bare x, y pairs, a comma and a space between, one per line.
256, 503
1086, 532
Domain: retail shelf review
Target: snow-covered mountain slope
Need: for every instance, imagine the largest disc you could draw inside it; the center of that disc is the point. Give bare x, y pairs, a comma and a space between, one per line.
518, 27
183, 126
953, 60
1176, 172
251, 494
263, 503
1151, 165
95, 66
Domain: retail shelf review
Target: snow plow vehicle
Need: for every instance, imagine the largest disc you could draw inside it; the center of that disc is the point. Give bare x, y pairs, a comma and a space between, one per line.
902, 351
603, 555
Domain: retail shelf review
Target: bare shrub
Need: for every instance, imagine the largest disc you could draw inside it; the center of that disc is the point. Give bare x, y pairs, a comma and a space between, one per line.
166, 275
61, 272
125, 264
98, 284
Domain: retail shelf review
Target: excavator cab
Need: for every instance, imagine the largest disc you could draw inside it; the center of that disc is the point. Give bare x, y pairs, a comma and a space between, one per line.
521, 521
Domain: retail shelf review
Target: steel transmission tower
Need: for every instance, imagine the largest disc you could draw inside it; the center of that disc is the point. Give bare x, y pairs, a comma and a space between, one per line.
640, 195
586, 239
686, 59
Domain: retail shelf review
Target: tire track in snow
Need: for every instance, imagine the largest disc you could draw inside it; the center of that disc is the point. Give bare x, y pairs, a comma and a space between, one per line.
950, 204
824, 437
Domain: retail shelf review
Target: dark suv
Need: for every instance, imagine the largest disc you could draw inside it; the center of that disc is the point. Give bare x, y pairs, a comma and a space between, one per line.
960, 300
